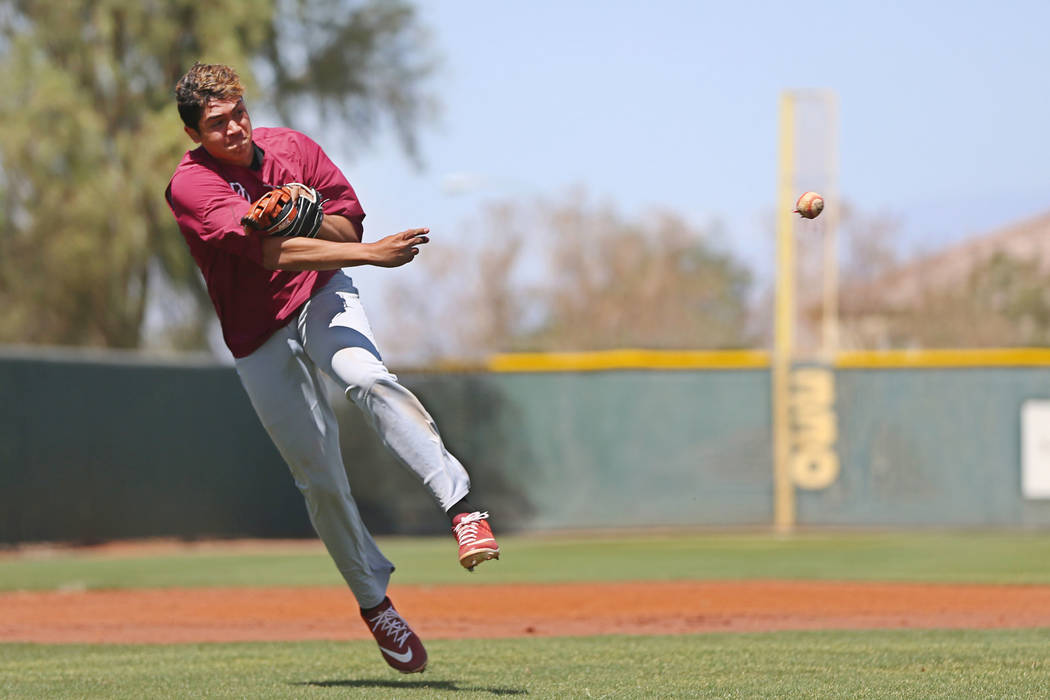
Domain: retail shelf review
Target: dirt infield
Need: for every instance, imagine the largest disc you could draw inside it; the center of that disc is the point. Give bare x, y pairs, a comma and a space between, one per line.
443, 612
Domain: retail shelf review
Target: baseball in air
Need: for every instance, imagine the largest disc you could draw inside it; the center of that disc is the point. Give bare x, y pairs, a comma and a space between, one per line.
809, 205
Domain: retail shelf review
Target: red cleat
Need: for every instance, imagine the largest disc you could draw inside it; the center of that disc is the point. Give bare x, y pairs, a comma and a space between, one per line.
400, 646
476, 543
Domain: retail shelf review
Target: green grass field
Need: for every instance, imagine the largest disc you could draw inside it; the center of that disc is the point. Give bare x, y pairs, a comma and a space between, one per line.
924, 557
824, 664
882, 664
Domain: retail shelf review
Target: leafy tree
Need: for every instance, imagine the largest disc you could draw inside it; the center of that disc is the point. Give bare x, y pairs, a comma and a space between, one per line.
91, 136
656, 283
890, 301
570, 275
1003, 302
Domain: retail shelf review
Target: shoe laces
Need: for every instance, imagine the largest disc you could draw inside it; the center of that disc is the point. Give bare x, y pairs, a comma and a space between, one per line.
390, 623
467, 528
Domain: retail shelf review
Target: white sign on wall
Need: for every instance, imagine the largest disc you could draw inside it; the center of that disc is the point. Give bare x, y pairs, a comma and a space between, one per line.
1035, 449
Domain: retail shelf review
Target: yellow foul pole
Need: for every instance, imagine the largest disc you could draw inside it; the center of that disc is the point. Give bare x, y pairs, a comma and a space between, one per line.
830, 321
783, 329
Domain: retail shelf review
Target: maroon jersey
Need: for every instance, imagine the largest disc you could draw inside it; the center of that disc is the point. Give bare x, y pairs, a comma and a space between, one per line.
208, 199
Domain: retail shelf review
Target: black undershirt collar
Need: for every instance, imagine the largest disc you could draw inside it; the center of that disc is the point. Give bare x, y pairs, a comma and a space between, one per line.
257, 157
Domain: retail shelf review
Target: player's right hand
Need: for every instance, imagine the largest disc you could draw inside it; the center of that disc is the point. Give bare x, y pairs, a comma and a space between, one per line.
399, 248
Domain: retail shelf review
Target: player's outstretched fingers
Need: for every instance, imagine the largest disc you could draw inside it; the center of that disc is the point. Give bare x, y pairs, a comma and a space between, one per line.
416, 235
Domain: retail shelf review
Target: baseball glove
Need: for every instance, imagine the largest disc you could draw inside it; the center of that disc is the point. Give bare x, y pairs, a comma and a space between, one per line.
289, 210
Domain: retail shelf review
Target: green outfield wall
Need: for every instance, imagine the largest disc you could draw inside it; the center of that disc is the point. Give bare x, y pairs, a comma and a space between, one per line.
96, 447
930, 446
108, 447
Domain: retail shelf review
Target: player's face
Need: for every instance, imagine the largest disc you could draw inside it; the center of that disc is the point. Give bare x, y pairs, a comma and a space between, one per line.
225, 131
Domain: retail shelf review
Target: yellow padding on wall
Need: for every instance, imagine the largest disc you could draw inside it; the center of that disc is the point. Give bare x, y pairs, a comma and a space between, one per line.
972, 357
628, 359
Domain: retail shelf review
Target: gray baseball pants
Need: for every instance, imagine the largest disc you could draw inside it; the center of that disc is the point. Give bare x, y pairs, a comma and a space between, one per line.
331, 335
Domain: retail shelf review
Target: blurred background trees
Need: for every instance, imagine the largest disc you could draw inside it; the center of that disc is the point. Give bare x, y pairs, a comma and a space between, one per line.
989, 290
91, 135
570, 274
1003, 301
90, 256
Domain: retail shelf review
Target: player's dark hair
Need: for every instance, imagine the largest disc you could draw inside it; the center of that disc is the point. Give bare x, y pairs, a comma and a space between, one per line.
202, 83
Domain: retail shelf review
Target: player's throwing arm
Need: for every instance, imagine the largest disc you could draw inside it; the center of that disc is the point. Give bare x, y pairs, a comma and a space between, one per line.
315, 254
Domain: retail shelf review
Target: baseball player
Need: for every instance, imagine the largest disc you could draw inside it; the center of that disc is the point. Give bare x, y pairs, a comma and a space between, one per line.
271, 222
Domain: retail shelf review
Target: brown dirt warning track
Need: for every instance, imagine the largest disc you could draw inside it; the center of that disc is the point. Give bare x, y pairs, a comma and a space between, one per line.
485, 611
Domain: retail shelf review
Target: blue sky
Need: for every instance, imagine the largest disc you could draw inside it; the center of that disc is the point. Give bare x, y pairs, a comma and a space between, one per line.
944, 111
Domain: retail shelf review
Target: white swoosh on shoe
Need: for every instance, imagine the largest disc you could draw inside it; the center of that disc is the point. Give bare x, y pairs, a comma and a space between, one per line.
403, 658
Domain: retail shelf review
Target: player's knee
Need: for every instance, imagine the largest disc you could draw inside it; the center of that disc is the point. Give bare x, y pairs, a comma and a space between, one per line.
358, 370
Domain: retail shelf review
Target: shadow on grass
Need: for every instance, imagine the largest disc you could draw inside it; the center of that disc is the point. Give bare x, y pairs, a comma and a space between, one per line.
421, 684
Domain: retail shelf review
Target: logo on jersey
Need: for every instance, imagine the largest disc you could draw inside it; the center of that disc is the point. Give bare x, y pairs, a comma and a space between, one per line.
239, 189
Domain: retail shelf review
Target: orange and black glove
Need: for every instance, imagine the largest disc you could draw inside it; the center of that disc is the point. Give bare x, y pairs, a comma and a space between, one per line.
289, 210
